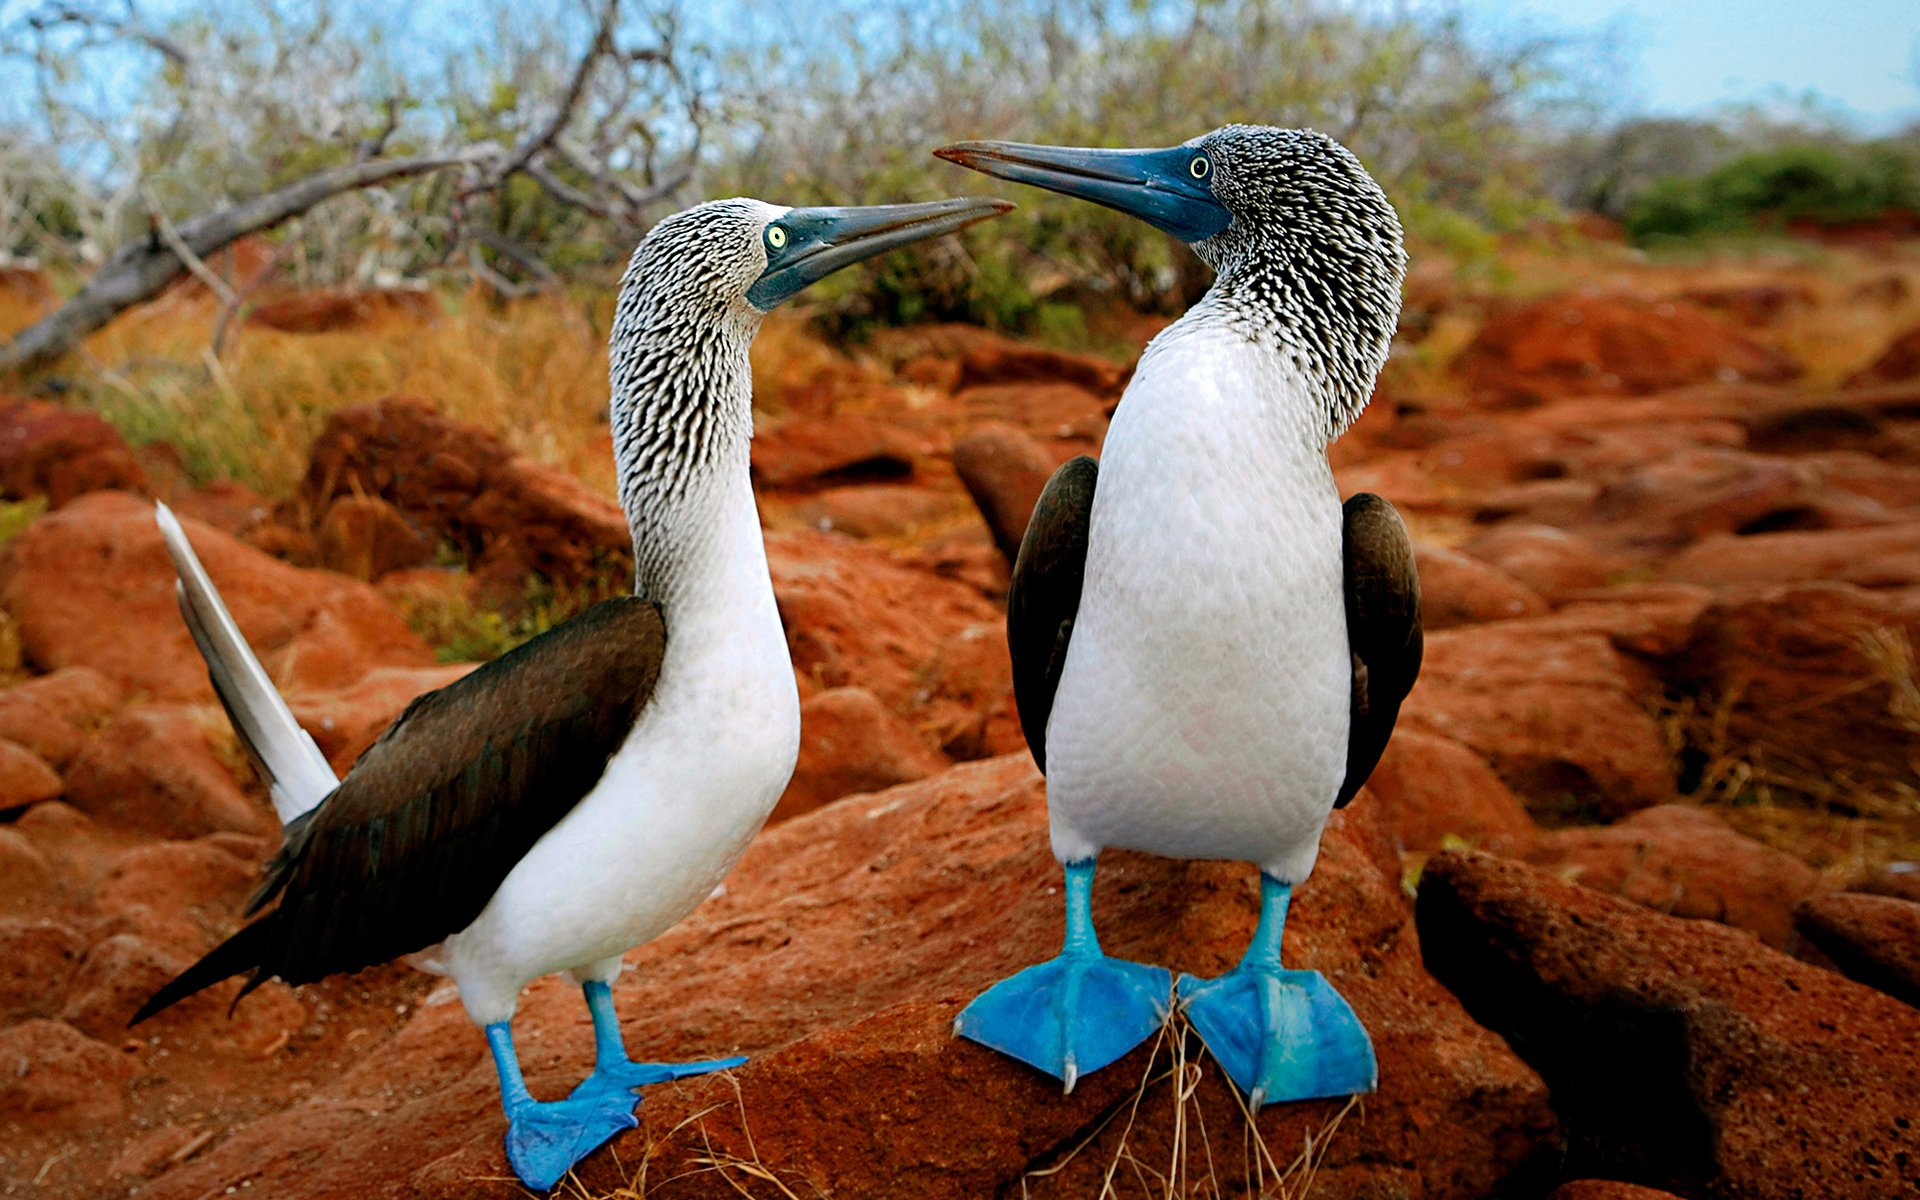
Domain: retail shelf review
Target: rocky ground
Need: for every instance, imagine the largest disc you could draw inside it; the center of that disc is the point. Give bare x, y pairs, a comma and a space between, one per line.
1631, 903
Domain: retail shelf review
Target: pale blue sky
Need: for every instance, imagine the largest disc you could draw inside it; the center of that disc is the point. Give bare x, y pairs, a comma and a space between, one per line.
1859, 56
1683, 57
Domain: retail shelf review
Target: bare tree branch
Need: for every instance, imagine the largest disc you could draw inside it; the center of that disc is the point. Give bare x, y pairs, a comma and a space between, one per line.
543, 136
139, 270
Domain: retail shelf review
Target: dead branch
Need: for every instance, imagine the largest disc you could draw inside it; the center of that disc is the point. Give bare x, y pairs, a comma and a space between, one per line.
140, 269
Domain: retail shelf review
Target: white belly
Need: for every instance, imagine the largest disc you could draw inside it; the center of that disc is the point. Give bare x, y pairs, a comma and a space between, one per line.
680, 800
1202, 711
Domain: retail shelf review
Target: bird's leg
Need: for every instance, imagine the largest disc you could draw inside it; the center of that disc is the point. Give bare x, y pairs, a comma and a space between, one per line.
1078, 1012
613, 1071
1280, 1034
545, 1139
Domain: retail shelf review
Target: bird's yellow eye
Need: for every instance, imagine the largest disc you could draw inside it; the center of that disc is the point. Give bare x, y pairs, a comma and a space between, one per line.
776, 237
1199, 167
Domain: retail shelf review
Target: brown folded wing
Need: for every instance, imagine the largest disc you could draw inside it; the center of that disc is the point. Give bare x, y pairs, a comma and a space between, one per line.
1044, 595
430, 820
1383, 629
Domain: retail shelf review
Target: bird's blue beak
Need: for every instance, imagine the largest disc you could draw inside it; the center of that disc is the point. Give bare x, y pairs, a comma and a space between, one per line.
808, 244
1171, 189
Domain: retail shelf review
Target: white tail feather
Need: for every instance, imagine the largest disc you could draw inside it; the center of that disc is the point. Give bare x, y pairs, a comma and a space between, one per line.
297, 774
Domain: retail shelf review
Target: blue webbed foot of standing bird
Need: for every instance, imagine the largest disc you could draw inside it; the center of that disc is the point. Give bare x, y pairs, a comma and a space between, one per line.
1076, 1013
616, 1074
1280, 1034
545, 1139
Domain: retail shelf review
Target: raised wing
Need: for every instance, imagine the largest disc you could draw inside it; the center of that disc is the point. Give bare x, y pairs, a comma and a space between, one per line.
1044, 595
1383, 629
432, 818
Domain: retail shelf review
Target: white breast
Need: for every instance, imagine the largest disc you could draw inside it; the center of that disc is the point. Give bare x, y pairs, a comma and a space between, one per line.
679, 802
1203, 707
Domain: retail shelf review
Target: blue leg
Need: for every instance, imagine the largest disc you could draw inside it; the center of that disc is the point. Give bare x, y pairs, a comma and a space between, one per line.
544, 1140
1077, 1013
615, 1073
1280, 1034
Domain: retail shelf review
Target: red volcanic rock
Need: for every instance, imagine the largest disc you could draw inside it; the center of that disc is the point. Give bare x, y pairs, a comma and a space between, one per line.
227, 506
989, 359
52, 1074
1900, 880
844, 945
37, 959
1686, 862
331, 310
1553, 713
93, 579
1074, 418
179, 894
972, 675
850, 742
25, 873
366, 538
509, 515
1608, 1189
1648, 620
842, 448
154, 769
1004, 470
1802, 678
856, 615
1551, 561
1753, 304
1675, 500
1456, 589
345, 722
53, 714
25, 778
1682, 1054
60, 453
1874, 939
876, 510
1899, 362
1588, 344
117, 976
27, 281
1433, 792
1882, 556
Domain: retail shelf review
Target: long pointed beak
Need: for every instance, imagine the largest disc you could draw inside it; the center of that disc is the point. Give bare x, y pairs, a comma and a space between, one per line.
816, 242
1158, 186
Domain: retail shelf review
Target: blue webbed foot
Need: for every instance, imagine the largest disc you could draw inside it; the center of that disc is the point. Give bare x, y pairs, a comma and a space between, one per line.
545, 1140
623, 1077
1076, 1013
1281, 1035
1072, 1015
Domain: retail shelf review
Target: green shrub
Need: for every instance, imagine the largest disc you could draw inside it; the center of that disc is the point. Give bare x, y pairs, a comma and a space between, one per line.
1766, 189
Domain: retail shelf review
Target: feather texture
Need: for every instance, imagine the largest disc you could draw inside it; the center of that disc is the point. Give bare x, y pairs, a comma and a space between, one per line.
1383, 629
418, 836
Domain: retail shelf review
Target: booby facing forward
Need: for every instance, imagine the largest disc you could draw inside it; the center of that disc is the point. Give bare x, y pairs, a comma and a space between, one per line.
580, 794
1209, 649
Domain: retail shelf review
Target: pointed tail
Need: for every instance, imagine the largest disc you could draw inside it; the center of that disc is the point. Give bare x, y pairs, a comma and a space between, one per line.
241, 952
297, 774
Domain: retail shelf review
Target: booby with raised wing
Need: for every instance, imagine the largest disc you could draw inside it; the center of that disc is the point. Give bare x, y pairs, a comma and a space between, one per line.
1209, 649
580, 794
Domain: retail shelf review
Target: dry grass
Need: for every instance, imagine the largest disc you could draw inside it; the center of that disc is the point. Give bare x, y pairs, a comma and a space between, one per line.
1189, 1170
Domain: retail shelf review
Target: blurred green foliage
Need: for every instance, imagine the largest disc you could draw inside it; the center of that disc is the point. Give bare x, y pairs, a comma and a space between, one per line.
1764, 190
849, 114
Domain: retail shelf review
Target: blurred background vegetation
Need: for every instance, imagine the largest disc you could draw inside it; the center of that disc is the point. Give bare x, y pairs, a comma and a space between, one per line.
116, 120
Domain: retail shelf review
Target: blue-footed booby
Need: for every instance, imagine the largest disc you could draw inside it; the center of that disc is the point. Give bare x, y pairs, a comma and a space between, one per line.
1209, 649
581, 794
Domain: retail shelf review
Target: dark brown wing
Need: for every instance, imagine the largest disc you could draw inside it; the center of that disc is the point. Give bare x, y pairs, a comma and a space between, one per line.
1383, 629
435, 814
1045, 594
